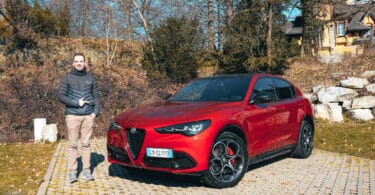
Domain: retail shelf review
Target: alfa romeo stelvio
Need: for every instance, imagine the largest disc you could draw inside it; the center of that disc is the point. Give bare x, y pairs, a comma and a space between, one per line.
215, 127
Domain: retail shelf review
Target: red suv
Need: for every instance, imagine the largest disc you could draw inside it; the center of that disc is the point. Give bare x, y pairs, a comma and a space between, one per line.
216, 127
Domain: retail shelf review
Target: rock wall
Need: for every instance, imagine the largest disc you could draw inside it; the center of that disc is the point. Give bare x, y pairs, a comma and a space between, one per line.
59, 52
354, 96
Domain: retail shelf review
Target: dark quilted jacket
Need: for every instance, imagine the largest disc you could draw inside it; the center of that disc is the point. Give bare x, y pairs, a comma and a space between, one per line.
75, 85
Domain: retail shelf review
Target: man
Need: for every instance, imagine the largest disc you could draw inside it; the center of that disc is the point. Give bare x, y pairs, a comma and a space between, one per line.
79, 92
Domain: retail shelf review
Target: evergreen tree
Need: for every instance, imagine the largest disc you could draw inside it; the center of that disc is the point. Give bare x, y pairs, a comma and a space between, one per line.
255, 41
42, 21
175, 45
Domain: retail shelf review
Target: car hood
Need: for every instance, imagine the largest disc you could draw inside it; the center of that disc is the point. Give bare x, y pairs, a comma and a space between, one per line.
166, 112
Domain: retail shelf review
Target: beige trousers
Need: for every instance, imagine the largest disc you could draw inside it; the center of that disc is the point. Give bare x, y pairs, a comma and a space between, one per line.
79, 125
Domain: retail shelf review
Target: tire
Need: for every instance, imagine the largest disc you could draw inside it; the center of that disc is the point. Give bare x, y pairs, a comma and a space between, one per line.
305, 141
228, 161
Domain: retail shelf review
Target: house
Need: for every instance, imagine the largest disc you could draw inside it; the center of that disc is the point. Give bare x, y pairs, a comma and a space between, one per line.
344, 25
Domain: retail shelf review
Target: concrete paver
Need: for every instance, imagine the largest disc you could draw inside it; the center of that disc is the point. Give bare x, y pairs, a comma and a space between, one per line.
321, 173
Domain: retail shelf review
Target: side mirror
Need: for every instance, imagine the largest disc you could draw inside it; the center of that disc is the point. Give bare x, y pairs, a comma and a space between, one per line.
167, 96
263, 97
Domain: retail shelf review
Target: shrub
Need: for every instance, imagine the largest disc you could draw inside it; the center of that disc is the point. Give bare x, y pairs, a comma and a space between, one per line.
172, 53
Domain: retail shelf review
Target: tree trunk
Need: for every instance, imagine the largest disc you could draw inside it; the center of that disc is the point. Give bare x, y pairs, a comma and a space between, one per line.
211, 28
177, 8
219, 24
269, 34
145, 24
129, 29
308, 28
84, 18
228, 10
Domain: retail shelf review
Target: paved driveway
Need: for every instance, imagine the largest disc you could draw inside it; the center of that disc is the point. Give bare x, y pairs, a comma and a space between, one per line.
322, 173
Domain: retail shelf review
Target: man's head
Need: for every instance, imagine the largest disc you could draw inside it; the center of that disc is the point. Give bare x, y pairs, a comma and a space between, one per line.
79, 62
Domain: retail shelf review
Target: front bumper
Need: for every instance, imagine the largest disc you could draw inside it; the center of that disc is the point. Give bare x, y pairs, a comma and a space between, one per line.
179, 161
190, 154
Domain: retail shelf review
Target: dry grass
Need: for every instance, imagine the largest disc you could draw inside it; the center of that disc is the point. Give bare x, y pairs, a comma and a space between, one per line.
308, 73
23, 166
353, 138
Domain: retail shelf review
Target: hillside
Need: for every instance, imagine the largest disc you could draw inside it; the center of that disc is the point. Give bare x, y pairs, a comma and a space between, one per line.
29, 88
307, 73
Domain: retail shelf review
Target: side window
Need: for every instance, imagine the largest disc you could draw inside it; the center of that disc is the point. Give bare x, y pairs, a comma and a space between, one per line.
263, 85
340, 29
284, 89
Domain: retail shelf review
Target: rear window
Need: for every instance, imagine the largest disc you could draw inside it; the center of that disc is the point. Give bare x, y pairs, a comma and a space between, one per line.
284, 89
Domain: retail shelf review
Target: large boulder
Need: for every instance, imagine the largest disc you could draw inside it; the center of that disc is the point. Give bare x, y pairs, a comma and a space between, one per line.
331, 112
316, 88
361, 114
368, 74
354, 82
336, 94
371, 88
311, 97
347, 105
363, 102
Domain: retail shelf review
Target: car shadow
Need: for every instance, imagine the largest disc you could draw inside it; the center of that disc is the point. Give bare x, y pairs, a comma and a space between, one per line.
169, 179
95, 160
267, 162
153, 177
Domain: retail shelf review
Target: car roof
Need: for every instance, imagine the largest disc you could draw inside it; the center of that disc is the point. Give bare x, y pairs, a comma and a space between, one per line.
228, 76
249, 75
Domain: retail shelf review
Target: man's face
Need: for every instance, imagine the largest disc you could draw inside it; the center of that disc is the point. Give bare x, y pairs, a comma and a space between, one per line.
79, 63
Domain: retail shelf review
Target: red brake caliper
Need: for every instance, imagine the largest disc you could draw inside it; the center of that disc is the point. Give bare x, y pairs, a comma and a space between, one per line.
230, 153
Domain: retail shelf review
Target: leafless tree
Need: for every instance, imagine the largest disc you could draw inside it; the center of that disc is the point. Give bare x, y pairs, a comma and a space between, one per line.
211, 26
127, 7
84, 17
111, 47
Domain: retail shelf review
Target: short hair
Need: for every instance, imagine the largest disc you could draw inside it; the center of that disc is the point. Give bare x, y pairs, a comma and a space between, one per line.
79, 54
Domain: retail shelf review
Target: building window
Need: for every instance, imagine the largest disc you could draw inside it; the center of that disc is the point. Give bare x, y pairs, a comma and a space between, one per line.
341, 29
370, 32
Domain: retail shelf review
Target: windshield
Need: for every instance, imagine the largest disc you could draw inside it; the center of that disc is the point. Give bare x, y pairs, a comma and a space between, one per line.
224, 88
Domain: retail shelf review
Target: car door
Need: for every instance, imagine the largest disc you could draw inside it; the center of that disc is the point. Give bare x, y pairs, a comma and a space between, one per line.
261, 118
287, 112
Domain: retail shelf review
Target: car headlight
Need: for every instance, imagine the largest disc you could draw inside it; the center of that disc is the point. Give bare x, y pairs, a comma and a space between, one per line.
114, 126
189, 129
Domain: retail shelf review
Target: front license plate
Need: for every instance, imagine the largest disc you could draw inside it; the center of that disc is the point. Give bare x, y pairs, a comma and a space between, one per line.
159, 152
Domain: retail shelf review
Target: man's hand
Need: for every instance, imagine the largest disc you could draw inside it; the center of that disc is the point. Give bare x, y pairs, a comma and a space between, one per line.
82, 102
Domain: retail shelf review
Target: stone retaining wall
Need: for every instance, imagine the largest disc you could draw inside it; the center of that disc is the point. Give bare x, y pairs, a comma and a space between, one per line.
354, 96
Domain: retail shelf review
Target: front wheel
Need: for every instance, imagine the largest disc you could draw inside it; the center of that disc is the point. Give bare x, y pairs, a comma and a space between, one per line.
228, 161
305, 142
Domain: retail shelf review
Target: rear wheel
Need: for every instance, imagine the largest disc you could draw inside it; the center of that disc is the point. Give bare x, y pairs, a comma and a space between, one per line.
228, 161
305, 142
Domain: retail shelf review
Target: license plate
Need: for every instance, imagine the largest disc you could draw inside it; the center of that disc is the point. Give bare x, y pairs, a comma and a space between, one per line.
159, 152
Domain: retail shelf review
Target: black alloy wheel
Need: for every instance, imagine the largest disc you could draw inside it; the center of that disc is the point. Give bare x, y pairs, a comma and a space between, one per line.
228, 161
305, 142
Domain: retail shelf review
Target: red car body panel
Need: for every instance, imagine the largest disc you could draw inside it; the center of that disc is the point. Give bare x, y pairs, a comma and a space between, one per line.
264, 128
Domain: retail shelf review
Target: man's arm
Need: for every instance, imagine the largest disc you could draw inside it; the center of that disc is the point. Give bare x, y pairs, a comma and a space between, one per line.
62, 94
95, 94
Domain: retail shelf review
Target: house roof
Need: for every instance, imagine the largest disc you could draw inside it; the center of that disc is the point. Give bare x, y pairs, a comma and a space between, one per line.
345, 11
372, 12
354, 14
294, 27
354, 25
342, 9
359, 16
294, 31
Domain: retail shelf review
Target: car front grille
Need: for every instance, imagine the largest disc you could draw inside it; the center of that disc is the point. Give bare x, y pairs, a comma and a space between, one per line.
179, 161
117, 153
135, 138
